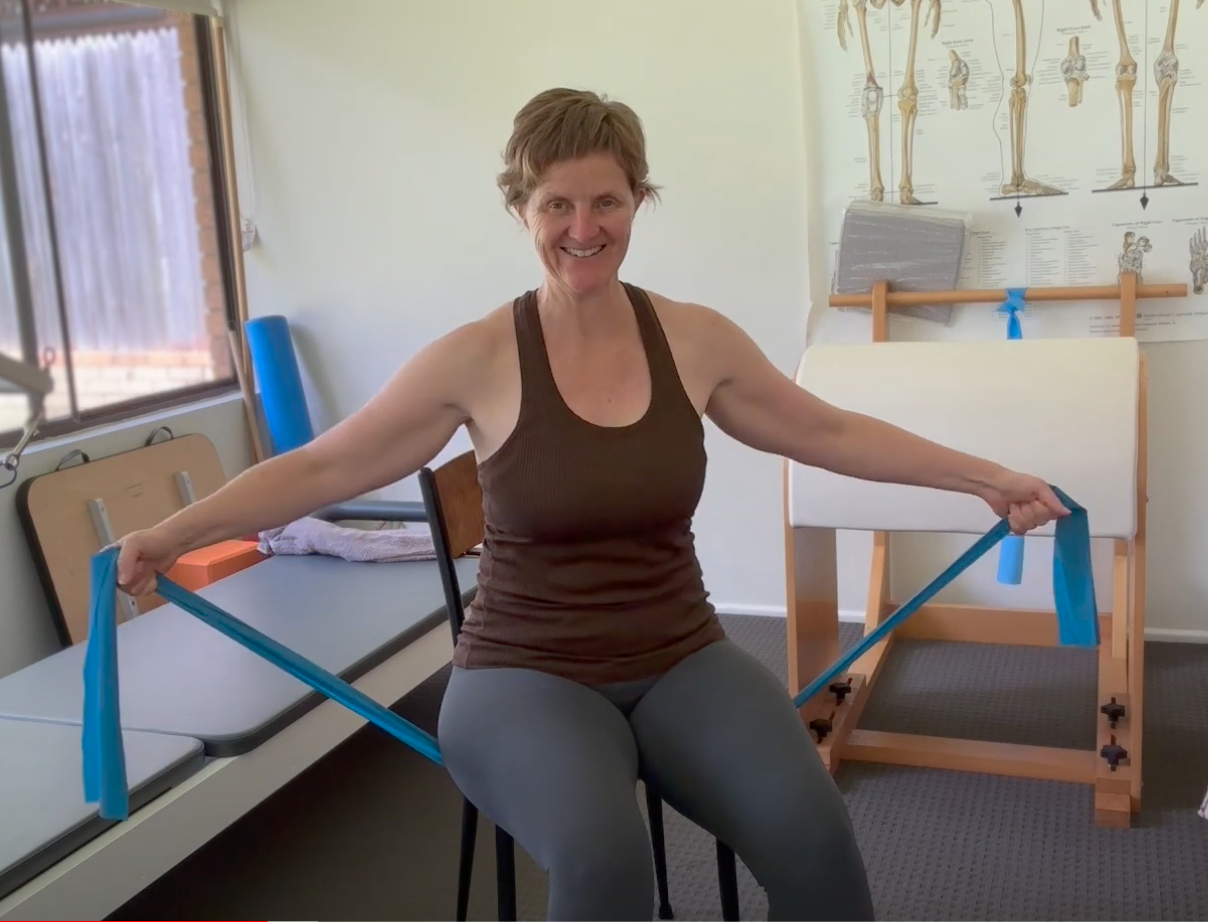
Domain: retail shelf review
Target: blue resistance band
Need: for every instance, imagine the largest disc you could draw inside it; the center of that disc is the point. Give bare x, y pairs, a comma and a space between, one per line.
1073, 591
1010, 555
1016, 302
105, 781
104, 757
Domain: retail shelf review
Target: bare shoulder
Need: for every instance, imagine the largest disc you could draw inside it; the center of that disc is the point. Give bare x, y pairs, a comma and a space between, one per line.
696, 322
456, 368
473, 348
483, 358
471, 343
702, 337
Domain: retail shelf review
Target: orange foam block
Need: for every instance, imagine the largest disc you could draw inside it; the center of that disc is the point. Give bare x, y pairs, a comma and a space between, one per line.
209, 564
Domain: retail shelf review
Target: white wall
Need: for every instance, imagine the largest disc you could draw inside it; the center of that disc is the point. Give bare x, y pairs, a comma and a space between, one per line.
374, 131
26, 631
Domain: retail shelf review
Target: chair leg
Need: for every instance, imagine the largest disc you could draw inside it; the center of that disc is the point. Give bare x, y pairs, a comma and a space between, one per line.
465, 870
654, 809
727, 882
505, 875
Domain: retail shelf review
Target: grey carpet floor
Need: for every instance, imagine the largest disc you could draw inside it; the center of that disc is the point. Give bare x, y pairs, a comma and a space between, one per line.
371, 832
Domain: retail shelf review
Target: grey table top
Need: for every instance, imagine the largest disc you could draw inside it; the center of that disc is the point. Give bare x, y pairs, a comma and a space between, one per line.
179, 675
43, 816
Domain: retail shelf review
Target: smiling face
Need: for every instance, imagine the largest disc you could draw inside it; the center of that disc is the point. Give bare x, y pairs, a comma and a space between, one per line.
580, 216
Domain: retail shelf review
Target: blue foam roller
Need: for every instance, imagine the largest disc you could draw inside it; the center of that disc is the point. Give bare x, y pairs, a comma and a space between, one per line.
1010, 560
285, 411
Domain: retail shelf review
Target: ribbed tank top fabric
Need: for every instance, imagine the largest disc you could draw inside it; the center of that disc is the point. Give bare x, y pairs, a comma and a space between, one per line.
589, 568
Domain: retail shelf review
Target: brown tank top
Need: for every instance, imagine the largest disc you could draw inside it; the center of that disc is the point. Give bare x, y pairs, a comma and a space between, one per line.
589, 567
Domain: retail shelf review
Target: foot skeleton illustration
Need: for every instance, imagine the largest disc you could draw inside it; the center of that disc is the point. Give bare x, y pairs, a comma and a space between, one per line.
1017, 109
1132, 256
873, 95
1198, 247
1166, 75
958, 79
1073, 69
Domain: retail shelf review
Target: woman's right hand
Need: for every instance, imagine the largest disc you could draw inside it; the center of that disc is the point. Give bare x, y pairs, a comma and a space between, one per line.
142, 555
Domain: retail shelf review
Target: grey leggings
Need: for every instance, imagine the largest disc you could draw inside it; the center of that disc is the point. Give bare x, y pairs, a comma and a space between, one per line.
556, 763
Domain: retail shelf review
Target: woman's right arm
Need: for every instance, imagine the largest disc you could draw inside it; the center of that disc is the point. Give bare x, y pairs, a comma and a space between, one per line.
402, 428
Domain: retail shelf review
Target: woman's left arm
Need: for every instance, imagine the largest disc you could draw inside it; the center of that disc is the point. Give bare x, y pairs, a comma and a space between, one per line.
753, 402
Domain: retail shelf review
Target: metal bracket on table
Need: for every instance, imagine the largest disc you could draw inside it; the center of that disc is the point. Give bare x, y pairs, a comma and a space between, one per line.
127, 610
184, 486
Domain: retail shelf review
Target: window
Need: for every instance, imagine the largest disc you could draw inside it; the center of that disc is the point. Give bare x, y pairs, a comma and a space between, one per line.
113, 266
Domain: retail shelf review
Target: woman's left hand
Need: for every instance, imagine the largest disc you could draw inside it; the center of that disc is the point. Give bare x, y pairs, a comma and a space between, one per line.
1027, 502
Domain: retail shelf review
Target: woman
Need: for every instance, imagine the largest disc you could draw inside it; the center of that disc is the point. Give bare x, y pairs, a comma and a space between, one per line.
590, 649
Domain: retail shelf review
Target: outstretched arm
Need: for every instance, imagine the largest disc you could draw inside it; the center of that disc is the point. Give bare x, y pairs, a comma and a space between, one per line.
397, 431
759, 406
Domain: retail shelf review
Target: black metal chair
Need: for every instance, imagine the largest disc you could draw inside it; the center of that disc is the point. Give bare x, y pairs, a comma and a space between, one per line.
453, 504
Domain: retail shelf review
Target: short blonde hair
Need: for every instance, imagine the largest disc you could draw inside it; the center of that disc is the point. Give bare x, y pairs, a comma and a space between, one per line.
563, 124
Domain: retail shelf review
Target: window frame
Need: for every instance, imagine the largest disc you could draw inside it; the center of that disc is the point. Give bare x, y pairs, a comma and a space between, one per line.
83, 420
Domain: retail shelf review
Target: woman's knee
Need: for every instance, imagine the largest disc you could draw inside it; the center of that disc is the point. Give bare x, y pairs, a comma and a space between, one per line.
601, 858
731, 754
806, 856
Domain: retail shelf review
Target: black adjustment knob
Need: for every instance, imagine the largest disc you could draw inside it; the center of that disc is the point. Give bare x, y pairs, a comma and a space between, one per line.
821, 726
1113, 753
1114, 712
840, 689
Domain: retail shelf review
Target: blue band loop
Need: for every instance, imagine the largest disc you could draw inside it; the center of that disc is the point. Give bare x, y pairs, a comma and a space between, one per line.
1010, 561
104, 758
1016, 301
105, 781
1073, 591
1010, 555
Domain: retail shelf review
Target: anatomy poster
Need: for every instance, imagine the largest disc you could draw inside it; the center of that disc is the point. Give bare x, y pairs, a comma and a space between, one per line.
1071, 134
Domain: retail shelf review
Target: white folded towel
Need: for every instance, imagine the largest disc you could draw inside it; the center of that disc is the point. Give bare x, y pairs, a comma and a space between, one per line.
314, 536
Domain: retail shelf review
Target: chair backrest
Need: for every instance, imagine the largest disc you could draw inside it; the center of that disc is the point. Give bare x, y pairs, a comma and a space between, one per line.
453, 500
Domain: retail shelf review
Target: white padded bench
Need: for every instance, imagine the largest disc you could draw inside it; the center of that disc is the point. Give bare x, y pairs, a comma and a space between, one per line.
1064, 410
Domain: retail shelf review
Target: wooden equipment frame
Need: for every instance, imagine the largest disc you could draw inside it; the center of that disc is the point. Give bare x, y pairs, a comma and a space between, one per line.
812, 623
